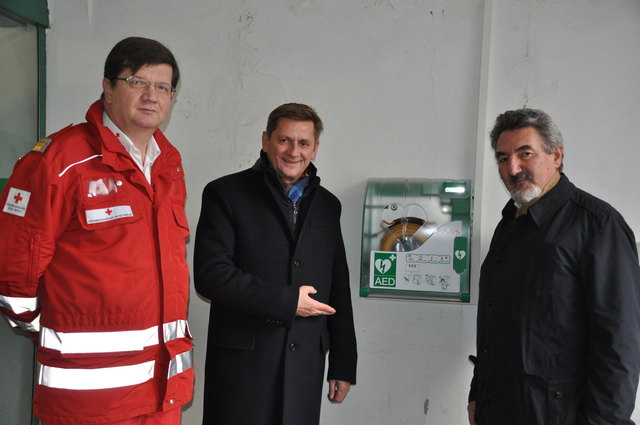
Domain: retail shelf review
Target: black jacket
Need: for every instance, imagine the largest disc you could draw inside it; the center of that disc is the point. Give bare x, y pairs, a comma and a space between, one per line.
558, 335
265, 366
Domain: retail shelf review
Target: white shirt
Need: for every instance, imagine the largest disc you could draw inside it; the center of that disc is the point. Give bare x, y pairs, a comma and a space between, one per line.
153, 150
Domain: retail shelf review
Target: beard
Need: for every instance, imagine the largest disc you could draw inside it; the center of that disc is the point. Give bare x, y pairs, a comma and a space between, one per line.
526, 192
524, 195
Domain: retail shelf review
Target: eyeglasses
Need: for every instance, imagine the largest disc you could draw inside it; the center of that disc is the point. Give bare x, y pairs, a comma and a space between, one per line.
140, 83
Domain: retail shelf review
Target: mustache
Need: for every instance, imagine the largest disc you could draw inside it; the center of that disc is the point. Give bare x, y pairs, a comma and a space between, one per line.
520, 176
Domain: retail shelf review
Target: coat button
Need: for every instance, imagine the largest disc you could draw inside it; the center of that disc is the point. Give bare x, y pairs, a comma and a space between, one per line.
171, 401
558, 395
296, 263
293, 347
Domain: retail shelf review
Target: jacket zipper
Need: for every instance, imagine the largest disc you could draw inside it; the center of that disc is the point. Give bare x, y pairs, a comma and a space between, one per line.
295, 214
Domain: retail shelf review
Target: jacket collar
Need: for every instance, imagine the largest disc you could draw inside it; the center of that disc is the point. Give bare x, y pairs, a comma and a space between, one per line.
547, 206
263, 167
115, 155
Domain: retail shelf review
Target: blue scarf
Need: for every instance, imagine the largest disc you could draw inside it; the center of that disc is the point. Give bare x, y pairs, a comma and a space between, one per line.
297, 189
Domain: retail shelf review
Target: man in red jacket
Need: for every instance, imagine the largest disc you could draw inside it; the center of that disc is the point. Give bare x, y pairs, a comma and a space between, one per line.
93, 259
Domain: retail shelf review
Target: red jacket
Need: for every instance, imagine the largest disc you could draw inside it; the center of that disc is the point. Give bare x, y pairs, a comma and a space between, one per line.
93, 260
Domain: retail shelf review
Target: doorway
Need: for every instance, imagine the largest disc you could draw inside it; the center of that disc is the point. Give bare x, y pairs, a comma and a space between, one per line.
21, 124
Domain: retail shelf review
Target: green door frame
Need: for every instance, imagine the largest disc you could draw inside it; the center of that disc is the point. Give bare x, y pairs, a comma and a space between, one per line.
35, 12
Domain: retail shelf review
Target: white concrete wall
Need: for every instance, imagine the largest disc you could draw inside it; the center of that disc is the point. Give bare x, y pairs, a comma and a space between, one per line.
399, 85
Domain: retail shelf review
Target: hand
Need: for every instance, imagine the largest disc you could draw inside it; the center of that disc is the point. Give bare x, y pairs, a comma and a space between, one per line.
471, 410
307, 306
338, 390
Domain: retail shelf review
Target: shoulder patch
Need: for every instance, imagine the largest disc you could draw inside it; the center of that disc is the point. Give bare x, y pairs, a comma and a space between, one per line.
17, 202
42, 145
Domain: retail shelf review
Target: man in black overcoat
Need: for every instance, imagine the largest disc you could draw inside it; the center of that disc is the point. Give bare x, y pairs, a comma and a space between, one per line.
269, 255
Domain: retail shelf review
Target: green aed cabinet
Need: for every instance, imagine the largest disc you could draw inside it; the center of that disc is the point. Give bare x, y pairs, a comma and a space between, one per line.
3, 183
416, 239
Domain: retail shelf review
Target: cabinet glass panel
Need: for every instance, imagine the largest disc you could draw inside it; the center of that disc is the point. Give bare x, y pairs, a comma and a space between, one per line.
415, 239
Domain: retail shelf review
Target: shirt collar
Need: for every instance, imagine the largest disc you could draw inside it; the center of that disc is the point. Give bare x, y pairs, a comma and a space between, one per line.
547, 205
522, 209
153, 150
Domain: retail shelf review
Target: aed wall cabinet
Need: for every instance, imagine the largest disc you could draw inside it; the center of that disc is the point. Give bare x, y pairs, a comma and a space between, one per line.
416, 239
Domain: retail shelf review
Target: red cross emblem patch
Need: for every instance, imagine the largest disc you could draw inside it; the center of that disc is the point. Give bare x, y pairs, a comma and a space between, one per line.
17, 202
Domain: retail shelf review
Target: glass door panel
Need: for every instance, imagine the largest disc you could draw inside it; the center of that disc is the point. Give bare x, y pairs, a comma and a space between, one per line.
19, 88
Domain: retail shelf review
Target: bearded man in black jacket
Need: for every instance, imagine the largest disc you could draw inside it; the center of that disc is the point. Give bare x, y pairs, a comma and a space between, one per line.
558, 331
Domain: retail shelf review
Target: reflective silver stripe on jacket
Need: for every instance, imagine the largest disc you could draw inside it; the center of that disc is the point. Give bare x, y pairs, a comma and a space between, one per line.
110, 342
95, 379
98, 342
180, 363
175, 330
32, 326
19, 305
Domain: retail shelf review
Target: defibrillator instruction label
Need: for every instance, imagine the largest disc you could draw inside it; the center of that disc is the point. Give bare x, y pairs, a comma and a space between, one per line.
435, 266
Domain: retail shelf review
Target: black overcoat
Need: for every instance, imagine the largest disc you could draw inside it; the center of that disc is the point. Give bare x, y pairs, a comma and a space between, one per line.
265, 366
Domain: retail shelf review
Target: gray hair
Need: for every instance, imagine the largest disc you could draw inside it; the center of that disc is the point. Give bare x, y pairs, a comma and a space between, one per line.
525, 117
